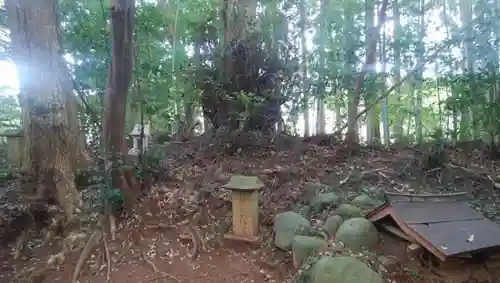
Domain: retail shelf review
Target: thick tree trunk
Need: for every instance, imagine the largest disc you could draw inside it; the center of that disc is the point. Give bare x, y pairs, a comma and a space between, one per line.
119, 79
51, 128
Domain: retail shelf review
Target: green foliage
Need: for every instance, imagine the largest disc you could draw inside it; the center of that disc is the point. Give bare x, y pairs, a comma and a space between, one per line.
113, 199
463, 105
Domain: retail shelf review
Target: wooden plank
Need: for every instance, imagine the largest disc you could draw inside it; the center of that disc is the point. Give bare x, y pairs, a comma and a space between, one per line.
395, 231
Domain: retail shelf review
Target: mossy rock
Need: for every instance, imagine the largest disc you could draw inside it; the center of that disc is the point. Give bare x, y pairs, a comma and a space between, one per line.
313, 189
332, 224
286, 226
304, 210
342, 269
304, 247
321, 201
364, 202
358, 233
348, 211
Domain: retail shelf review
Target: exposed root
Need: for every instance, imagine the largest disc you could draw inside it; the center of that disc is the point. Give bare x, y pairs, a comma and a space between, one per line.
93, 241
33, 275
19, 246
201, 239
192, 238
156, 270
108, 259
112, 227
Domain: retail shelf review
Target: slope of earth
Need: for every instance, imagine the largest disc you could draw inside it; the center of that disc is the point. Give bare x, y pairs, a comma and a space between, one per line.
176, 233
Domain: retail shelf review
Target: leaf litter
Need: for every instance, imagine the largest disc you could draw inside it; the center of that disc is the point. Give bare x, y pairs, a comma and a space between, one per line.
175, 235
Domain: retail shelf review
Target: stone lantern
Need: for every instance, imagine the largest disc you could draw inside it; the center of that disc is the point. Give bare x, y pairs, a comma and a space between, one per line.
136, 137
245, 203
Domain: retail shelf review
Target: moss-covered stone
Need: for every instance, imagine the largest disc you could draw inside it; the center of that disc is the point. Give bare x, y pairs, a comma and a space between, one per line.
348, 211
286, 226
304, 246
332, 224
358, 233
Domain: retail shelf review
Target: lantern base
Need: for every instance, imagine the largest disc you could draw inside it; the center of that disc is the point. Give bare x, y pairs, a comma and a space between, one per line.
248, 239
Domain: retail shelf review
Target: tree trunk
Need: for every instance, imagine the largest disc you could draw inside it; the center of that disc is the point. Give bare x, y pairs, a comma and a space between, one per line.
385, 101
323, 38
467, 130
304, 65
371, 54
371, 115
419, 80
119, 79
350, 69
398, 125
51, 127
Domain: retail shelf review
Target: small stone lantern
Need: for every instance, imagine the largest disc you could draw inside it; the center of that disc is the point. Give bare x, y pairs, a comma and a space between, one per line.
136, 136
15, 147
245, 203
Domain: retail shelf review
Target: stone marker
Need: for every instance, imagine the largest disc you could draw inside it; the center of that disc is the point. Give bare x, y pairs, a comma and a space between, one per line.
245, 203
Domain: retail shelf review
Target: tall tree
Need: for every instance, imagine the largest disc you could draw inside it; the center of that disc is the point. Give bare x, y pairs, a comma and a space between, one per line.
322, 39
466, 128
119, 80
372, 120
51, 129
370, 61
304, 66
419, 80
398, 127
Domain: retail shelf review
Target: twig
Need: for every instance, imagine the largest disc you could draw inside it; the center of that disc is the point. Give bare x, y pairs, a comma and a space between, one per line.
344, 181
108, 259
156, 270
93, 241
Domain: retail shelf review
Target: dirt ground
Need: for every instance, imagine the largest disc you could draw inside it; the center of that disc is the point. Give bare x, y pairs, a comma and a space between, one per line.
176, 233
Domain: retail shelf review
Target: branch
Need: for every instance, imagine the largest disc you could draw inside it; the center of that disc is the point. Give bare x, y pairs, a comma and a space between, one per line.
89, 109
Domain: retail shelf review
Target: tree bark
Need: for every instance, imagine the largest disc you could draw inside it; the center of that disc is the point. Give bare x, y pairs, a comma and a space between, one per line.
369, 63
119, 79
398, 125
304, 67
51, 127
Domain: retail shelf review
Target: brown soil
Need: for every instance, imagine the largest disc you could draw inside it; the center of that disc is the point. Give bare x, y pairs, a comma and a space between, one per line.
189, 216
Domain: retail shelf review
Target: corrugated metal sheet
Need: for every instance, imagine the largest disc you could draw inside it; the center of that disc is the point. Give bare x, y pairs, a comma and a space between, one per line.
429, 212
456, 237
448, 223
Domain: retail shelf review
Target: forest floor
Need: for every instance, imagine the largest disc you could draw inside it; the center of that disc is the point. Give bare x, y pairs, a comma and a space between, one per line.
176, 233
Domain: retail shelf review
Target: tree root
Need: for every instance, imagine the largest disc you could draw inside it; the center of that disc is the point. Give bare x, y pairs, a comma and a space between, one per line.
112, 227
191, 236
108, 259
33, 275
94, 240
156, 270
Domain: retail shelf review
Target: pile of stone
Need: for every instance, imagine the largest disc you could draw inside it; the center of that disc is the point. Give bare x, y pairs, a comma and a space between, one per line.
345, 229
